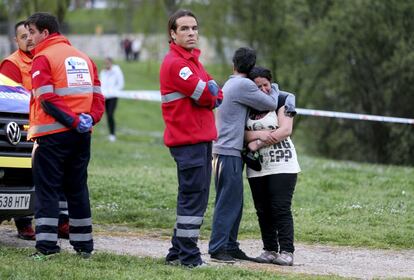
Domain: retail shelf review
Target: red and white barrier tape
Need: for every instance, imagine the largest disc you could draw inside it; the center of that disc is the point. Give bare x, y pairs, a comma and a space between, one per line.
154, 95
362, 117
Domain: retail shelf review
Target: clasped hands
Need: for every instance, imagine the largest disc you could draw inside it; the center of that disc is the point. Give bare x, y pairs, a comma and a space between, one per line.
265, 139
85, 123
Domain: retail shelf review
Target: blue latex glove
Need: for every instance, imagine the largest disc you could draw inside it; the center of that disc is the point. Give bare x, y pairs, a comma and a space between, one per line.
218, 103
85, 123
213, 87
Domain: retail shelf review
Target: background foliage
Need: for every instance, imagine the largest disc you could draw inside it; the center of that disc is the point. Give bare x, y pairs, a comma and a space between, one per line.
351, 56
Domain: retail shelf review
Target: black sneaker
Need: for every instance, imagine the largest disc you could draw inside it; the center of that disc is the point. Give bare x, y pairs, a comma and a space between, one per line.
39, 256
84, 255
222, 257
175, 262
239, 254
200, 265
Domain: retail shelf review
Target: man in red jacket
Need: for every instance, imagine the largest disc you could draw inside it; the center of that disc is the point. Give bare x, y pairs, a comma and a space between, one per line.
188, 95
66, 102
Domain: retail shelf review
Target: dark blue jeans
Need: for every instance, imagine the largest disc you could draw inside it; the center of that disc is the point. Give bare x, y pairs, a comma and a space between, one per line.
272, 197
228, 209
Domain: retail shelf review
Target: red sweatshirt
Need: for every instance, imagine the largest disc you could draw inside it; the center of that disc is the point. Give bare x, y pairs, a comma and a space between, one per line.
187, 103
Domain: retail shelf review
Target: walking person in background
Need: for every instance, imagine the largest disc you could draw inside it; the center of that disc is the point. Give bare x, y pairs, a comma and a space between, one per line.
127, 47
17, 67
240, 93
272, 187
136, 48
66, 102
112, 81
188, 96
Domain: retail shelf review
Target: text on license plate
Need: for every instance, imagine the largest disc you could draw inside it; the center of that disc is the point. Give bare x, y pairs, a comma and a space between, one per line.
14, 201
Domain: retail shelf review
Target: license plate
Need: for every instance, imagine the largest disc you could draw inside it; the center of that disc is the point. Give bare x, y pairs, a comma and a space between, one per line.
14, 201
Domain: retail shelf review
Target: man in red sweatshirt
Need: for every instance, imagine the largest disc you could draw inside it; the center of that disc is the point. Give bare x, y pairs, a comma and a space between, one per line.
188, 95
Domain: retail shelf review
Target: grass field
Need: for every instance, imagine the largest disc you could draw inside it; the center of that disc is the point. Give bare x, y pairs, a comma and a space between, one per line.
14, 264
133, 183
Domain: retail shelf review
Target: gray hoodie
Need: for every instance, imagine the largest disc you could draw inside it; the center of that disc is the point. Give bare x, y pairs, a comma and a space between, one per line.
239, 94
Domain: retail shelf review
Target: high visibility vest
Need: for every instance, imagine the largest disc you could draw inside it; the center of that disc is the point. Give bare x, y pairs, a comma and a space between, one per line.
24, 63
72, 75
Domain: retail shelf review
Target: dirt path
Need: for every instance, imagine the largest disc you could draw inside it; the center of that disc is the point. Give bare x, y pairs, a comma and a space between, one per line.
309, 259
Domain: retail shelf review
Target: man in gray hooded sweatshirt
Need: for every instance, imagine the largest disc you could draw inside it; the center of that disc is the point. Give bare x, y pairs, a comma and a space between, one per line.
240, 93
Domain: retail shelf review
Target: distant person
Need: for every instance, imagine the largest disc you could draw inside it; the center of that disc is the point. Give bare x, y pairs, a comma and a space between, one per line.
136, 48
17, 67
112, 81
66, 103
272, 187
188, 96
240, 94
127, 47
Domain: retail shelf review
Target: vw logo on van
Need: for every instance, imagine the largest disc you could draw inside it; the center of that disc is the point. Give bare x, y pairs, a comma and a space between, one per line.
13, 133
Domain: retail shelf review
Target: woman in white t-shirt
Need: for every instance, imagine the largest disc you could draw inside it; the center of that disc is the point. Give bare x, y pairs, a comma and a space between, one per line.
272, 187
112, 82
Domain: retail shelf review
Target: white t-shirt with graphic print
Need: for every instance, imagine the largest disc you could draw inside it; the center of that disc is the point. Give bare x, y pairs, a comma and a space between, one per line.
278, 158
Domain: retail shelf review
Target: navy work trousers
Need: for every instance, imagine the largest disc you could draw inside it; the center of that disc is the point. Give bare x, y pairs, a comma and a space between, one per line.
194, 176
60, 162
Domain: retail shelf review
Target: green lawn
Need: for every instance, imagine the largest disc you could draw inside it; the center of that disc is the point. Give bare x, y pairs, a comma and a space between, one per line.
15, 264
133, 183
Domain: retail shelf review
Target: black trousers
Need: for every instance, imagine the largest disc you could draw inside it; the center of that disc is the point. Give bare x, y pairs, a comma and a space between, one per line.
60, 163
110, 106
272, 197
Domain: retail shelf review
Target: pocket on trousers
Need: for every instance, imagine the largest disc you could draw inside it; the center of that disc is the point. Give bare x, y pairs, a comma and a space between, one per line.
188, 157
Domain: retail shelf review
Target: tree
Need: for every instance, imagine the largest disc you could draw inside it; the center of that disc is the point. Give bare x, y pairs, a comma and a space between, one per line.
21, 9
364, 64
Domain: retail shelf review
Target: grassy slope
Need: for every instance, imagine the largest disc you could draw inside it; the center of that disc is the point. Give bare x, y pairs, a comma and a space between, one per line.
133, 182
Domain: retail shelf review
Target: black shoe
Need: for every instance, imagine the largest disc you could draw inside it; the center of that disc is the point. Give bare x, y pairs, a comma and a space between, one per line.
239, 254
200, 265
26, 233
222, 257
84, 255
39, 256
172, 261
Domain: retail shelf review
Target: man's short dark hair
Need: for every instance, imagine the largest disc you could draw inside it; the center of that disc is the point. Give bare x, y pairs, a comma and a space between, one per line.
244, 60
43, 21
262, 72
172, 21
17, 25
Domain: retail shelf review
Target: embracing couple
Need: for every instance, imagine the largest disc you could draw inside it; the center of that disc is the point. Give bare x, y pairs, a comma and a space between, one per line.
254, 113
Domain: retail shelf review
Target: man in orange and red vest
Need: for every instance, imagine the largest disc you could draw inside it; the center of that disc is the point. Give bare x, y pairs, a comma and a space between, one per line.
17, 67
66, 102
